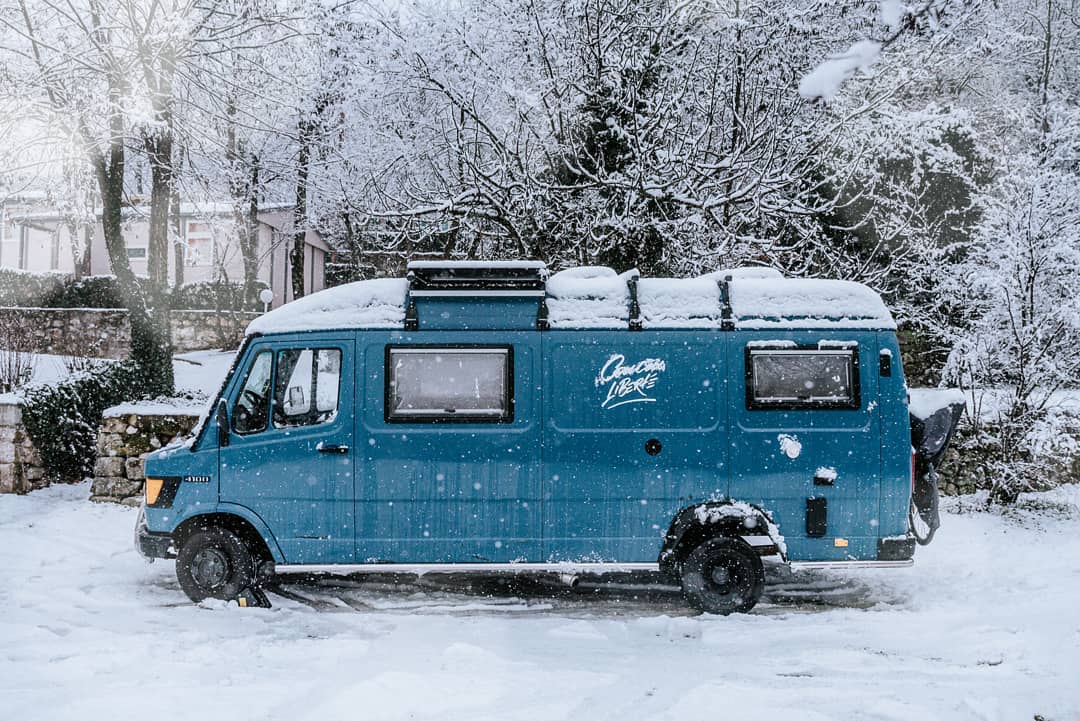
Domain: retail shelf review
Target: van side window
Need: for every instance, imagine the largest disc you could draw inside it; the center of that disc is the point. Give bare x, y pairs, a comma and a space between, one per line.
802, 378
306, 386
426, 384
252, 407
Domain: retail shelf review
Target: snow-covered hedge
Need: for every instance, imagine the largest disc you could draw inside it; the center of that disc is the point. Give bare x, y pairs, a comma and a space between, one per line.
62, 420
20, 288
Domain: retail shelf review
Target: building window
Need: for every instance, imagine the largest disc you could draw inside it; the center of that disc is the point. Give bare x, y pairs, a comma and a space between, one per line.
802, 378
431, 384
136, 253
200, 244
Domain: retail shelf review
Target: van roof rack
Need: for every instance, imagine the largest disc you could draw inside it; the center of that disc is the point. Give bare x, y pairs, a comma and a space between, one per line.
473, 277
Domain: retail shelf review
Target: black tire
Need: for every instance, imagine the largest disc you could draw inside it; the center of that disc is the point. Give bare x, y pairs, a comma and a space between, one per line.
214, 563
723, 575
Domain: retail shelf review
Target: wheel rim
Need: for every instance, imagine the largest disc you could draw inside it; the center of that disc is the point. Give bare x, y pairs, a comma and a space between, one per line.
721, 578
727, 578
210, 568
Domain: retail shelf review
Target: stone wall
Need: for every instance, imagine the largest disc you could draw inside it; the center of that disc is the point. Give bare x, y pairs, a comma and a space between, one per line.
106, 333
90, 332
20, 465
206, 329
126, 437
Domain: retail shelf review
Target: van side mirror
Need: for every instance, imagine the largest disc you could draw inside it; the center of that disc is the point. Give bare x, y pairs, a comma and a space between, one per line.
222, 423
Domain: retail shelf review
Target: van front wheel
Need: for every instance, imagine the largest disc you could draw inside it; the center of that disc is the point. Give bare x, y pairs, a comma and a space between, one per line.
723, 575
214, 563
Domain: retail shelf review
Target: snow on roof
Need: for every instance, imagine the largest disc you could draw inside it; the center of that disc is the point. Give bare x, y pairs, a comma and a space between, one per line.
589, 297
807, 303
598, 297
376, 303
679, 302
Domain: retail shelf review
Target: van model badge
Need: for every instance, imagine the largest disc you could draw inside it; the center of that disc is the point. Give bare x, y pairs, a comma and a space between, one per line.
196, 479
629, 383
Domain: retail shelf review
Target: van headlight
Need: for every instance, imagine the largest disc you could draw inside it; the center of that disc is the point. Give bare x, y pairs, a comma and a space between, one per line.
153, 489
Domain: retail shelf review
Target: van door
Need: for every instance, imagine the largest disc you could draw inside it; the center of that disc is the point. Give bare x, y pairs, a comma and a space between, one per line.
806, 437
290, 455
451, 437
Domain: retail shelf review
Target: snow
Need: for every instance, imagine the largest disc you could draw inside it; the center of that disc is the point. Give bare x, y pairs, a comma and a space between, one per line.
598, 297
824, 81
157, 408
925, 402
378, 303
679, 302
807, 303
790, 445
589, 297
892, 13
983, 627
825, 473
706, 514
202, 372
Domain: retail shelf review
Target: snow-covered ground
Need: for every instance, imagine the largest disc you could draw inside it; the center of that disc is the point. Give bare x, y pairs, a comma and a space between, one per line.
202, 371
985, 626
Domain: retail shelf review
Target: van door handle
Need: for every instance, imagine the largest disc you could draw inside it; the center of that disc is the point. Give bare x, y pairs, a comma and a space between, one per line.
324, 448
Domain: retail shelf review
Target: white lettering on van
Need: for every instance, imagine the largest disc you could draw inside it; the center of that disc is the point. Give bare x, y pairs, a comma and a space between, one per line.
628, 383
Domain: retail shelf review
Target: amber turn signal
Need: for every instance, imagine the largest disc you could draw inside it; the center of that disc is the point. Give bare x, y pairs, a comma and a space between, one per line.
153, 490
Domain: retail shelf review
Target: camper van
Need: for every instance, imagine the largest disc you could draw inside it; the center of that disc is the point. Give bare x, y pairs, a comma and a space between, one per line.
493, 417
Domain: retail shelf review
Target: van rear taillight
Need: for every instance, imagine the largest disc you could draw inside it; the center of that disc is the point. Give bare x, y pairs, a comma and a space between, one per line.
913, 471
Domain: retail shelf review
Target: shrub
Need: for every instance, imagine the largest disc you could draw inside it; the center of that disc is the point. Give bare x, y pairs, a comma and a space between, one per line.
92, 291
28, 290
63, 420
213, 295
16, 364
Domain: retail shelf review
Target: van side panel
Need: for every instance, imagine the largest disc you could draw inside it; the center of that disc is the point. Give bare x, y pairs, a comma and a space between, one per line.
633, 432
448, 492
895, 442
778, 453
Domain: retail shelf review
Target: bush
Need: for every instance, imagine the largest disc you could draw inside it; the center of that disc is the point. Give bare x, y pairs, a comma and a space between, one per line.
28, 290
92, 291
63, 420
214, 295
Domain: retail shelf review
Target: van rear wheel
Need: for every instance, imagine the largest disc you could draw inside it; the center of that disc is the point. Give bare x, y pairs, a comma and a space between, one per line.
214, 563
723, 575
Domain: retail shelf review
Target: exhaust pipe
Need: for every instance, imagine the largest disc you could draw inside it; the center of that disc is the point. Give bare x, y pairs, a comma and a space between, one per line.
569, 579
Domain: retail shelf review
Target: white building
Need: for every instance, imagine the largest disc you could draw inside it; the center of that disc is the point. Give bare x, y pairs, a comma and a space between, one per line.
37, 238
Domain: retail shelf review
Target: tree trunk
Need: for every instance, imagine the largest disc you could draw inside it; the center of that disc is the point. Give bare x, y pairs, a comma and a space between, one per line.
159, 151
179, 256
249, 240
151, 345
244, 189
307, 129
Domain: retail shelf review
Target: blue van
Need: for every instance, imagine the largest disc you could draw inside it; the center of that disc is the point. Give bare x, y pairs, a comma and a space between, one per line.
487, 416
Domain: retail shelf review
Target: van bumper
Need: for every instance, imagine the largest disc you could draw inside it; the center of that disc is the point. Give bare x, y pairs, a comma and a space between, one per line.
152, 545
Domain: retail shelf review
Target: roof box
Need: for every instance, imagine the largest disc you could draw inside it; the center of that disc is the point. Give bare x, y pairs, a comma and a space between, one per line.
460, 295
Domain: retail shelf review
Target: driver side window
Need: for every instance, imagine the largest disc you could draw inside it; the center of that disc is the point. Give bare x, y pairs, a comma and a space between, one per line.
252, 408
